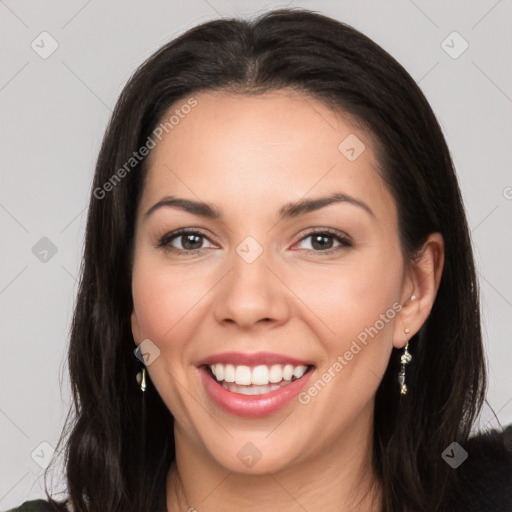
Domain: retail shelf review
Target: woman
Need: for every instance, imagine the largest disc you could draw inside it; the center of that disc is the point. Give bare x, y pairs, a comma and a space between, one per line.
277, 230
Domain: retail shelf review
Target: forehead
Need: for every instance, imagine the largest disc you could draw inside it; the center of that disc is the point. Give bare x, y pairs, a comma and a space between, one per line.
272, 147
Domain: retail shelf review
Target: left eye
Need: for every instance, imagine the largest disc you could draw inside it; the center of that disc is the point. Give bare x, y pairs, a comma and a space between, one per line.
323, 241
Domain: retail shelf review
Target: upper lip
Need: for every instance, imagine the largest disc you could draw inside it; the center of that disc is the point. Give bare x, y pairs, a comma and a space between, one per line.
254, 359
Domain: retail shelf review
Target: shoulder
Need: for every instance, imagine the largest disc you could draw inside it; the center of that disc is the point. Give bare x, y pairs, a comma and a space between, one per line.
485, 476
39, 506
33, 506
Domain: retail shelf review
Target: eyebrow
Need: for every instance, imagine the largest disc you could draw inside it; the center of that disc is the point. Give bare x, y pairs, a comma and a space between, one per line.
289, 210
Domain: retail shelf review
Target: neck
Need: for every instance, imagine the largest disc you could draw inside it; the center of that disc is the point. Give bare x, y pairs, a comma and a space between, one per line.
339, 478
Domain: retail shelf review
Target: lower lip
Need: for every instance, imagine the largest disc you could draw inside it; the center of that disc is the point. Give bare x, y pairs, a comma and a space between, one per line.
252, 406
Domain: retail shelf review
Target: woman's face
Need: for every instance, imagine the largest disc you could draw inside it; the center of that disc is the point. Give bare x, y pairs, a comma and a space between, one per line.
274, 287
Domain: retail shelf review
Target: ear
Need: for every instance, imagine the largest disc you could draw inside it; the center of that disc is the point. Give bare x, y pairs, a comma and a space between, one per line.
419, 290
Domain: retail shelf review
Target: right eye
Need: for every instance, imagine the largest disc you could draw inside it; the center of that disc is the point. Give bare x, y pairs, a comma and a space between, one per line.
190, 240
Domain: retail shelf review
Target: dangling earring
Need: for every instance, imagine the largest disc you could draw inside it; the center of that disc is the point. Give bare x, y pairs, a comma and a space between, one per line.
404, 359
141, 379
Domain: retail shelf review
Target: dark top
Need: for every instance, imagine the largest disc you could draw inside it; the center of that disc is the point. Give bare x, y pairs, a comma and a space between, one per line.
485, 478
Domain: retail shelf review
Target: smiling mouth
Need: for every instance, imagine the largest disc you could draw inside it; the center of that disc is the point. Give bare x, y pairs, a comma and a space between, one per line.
256, 380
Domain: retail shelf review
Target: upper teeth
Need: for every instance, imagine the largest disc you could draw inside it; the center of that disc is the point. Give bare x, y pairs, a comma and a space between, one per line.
259, 375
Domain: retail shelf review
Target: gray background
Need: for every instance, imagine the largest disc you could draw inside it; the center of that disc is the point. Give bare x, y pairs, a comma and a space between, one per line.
54, 112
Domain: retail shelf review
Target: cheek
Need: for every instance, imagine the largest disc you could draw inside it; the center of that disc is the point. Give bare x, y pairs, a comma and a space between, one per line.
165, 300
359, 306
353, 296
358, 302
166, 303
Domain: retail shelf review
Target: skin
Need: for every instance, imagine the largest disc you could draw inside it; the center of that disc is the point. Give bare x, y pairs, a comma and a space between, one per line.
249, 155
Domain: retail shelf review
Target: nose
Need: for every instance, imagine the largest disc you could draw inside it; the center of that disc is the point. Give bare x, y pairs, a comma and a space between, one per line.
251, 294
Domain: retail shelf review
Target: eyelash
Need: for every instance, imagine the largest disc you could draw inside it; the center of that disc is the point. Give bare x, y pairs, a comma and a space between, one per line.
164, 241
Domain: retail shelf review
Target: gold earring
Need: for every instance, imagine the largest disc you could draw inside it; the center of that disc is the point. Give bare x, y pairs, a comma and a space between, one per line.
141, 379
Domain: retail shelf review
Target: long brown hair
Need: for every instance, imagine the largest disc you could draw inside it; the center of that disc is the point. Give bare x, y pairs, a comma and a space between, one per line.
111, 465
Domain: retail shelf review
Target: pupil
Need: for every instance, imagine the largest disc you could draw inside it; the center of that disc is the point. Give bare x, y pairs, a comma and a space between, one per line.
188, 238
322, 244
